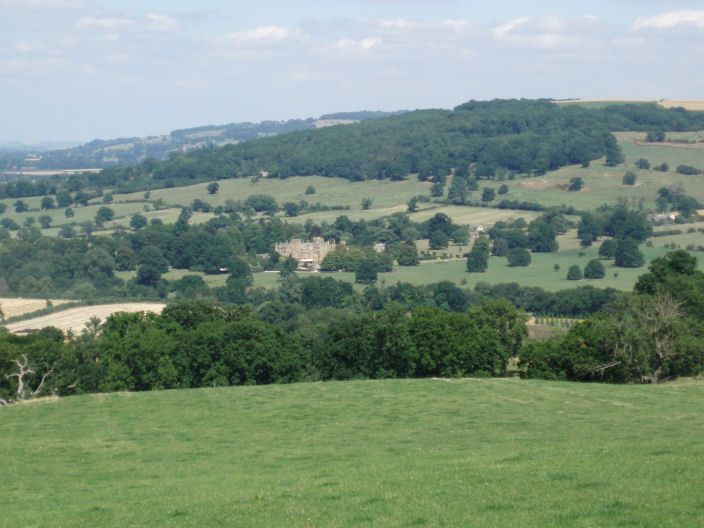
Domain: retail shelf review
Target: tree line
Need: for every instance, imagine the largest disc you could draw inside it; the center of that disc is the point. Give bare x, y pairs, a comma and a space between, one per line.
650, 335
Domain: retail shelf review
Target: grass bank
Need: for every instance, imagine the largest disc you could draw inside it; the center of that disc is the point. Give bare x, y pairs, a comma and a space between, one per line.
462, 452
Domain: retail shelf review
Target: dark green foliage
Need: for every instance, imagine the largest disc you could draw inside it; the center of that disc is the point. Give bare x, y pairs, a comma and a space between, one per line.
262, 203
503, 189
213, 188
594, 270
138, 222
629, 178
104, 214
608, 249
366, 272
429, 342
576, 184
574, 273
488, 194
408, 255
477, 259
663, 167
518, 257
367, 203
68, 213
309, 190
642, 163
688, 170
627, 254
20, 206
655, 136
190, 287
590, 228
9, 223
45, 221
48, 203
152, 265
439, 239
541, 235
458, 191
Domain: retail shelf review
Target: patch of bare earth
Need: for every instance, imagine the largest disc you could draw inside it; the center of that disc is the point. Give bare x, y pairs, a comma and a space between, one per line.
75, 319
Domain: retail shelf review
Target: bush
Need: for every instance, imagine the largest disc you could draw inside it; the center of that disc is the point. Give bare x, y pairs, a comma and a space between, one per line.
518, 257
594, 270
574, 273
688, 170
576, 184
629, 178
662, 168
488, 194
643, 163
608, 249
503, 189
310, 190
628, 255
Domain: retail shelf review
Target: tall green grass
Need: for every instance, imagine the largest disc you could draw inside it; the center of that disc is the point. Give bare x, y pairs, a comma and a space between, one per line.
461, 452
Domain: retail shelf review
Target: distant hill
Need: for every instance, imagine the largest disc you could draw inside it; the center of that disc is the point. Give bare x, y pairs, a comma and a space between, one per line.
101, 153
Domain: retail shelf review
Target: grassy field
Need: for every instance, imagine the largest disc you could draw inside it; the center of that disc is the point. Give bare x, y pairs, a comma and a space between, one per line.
540, 273
462, 452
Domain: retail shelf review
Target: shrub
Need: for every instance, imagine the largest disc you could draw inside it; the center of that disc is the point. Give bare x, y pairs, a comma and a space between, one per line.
518, 257
688, 170
643, 163
594, 270
574, 273
629, 178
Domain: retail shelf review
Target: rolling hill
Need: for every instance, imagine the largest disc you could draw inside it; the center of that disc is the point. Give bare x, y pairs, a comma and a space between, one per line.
459, 452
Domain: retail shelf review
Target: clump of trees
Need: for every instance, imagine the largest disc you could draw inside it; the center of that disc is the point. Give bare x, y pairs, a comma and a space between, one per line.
650, 335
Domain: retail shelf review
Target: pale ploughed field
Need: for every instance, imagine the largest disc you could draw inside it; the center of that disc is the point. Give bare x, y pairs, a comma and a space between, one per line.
75, 319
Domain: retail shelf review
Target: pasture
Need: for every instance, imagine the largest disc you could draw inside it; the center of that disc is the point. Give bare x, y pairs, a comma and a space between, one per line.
456, 452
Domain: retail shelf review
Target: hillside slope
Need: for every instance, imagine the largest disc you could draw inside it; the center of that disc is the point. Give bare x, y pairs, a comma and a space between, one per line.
460, 452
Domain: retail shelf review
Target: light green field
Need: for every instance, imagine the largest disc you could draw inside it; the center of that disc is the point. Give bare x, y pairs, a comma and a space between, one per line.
462, 452
540, 273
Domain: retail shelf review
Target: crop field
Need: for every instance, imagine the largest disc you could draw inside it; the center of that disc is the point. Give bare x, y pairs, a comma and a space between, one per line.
16, 306
75, 319
457, 452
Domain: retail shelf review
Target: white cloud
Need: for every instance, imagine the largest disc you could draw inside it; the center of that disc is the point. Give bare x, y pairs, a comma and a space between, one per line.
671, 20
160, 22
550, 33
505, 30
23, 47
103, 23
365, 43
263, 35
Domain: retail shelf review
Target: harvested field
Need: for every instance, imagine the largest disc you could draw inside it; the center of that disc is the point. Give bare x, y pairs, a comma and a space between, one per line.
15, 306
75, 319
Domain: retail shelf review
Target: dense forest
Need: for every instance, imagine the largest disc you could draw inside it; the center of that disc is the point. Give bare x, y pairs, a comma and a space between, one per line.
101, 153
477, 140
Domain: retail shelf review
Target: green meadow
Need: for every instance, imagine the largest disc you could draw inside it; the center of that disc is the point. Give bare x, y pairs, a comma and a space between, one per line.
458, 452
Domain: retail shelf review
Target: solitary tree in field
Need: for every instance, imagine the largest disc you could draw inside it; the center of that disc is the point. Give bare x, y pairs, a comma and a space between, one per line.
576, 184
367, 203
213, 188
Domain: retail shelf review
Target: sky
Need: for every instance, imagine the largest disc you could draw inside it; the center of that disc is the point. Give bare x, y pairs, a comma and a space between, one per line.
77, 70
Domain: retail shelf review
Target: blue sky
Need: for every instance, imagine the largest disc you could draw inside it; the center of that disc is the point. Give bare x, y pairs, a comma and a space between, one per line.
85, 69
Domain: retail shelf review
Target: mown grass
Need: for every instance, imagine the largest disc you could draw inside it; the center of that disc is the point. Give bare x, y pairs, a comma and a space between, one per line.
462, 452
